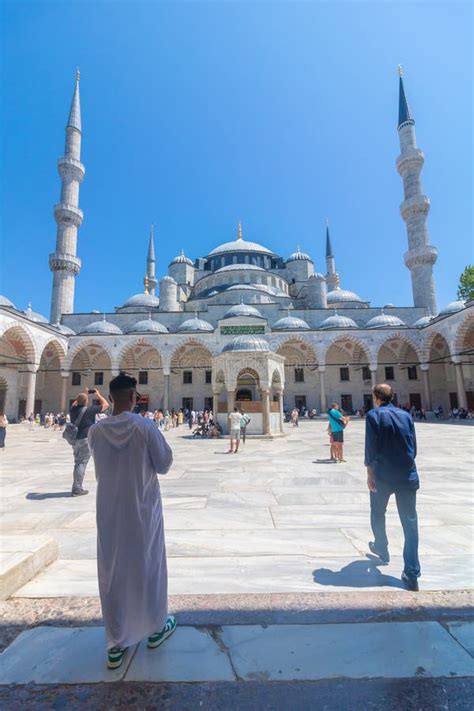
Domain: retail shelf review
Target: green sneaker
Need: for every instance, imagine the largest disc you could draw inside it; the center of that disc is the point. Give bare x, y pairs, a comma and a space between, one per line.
115, 657
159, 637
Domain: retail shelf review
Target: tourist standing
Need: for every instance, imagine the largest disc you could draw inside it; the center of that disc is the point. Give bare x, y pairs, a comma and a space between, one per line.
294, 417
84, 417
244, 421
390, 452
337, 423
3, 430
234, 429
128, 452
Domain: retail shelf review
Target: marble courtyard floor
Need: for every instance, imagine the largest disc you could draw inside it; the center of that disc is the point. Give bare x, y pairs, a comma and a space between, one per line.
266, 546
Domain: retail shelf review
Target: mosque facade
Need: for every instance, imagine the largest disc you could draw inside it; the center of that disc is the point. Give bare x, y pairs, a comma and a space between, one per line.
241, 323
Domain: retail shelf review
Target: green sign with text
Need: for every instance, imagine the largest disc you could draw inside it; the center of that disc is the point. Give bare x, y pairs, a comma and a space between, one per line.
241, 330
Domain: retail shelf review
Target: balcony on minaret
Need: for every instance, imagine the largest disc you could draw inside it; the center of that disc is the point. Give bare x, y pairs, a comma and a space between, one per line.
71, 169
411, 161
61, 261
414, 206
421, 256
65, 213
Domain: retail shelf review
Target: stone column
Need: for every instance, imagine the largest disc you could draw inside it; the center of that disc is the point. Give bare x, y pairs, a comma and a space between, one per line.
230, 400
215, 401
30, 392
425, 376
322, 388
373, 375
462, 399
166, 392
266, 410
280, 408
64, 375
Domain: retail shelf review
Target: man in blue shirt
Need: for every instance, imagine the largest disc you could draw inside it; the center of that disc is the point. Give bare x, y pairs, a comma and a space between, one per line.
337, 422
390, 451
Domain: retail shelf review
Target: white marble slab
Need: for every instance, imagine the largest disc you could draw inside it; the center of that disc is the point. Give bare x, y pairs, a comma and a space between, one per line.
393, 650
59, 655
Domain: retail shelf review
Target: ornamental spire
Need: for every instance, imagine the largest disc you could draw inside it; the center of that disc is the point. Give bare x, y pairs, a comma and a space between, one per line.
239, 231
151, 244
329, 252
404, 113
74, 120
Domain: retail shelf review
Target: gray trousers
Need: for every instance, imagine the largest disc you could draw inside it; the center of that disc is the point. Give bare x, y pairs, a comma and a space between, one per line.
82, 455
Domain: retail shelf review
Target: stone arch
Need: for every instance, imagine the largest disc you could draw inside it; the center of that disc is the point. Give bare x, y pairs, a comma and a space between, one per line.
85, 343
428, 344
406, 341
20, 345
300, 351
191, 362
248, 381
464, 336
139, 353
49, 379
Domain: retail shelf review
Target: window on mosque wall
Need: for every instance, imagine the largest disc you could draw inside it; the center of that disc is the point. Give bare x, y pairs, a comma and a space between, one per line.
143, 377
98, 378
344, 373
366, 373
412, 372
187, 377
389, 372
76, 378
208, 376
299, 375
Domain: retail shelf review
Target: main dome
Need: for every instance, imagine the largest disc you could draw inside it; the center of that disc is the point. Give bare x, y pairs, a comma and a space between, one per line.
240, 245
343, 296
246, 343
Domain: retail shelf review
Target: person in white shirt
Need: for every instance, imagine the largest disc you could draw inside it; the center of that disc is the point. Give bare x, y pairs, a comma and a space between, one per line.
128, 452
234, 429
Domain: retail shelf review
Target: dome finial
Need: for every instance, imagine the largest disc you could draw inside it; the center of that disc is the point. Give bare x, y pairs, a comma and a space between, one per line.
103, 317
239, 231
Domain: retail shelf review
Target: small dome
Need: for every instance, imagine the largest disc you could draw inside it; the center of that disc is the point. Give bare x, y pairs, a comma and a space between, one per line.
299, 255
339, 296
65, 329
182, 259
148, 326
290, 323
389, 306
6, 302
246, 343
34, 316
385, 321
452, 307
422, 322
103, 326
237, 267
147, 300
242, 310
195, 324
337, 321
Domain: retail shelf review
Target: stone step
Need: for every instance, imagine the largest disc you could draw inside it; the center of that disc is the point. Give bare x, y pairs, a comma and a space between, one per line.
22, 557
248, 653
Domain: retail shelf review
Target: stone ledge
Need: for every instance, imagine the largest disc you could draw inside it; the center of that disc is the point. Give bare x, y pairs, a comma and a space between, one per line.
23, 557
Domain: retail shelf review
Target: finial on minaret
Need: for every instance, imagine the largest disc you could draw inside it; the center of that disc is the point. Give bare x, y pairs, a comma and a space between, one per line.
404, 113
329, 252
400, 70
239, 231
78, 74
74, 120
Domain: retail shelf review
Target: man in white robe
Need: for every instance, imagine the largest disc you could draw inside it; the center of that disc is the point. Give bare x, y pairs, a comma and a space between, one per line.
128, 452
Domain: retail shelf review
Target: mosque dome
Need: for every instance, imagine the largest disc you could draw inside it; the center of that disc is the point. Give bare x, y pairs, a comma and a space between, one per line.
299, 255
423, 321
6, 302
246, 343
142, 300
452, 307
195, 324
243, 310
240, 245
337, 321
104, 327
290, 323
385, 321
65, 330
34, 316
343, 296
148, 326
182, 259
239, 267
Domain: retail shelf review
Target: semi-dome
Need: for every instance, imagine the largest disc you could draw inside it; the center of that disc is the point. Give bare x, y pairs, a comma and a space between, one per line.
142, 300
34, 316
195, 324
422, 322
299, 255
105, 327
148, 326
182, 259
385, 321
452, 307
242, 310
337, 321
6, 302
341, 296
239, 267
290, 323
246, 343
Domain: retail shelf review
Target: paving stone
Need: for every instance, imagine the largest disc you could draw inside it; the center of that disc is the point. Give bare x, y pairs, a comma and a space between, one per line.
464, 633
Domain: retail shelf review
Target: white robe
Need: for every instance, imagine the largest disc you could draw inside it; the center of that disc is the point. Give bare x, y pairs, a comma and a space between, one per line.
128, 451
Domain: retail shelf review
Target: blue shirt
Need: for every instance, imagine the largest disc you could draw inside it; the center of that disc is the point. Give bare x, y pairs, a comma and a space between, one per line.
335, 420
390, 446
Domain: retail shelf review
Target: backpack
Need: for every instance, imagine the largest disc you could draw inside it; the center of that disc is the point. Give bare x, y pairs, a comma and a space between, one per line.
72, 428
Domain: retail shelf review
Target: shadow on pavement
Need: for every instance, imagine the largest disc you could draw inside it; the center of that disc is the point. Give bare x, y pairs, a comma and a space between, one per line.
53, 495
358, 574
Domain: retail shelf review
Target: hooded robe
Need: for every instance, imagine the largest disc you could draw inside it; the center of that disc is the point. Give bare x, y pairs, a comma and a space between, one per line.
128, 452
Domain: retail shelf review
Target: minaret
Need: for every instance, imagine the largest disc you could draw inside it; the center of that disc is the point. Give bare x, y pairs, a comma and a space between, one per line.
332, 277
150, 278
64, 263
414, 209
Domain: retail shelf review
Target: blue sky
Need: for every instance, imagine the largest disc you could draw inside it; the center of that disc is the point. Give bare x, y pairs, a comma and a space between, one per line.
199, 114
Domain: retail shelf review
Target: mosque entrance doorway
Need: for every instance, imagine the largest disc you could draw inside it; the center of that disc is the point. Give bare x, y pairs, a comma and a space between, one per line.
368, 402
415, 400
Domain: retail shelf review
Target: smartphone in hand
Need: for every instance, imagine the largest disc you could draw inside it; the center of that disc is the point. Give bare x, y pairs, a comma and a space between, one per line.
91, 392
